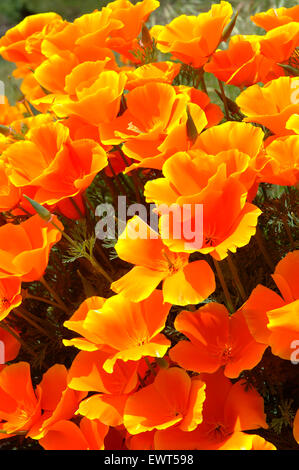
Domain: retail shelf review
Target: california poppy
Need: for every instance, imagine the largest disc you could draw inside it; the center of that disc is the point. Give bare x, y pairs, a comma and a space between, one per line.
215, 340
192, 39
129, 336
10, 295
275, 17
271, 105
25, 248
183, 283
51, 152
66, 435
222, 230
272, 319
19, 406
173, 399
228, 410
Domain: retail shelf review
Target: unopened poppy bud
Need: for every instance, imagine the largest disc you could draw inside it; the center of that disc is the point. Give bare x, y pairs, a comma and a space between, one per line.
162, 363
41, 211
228, 29
191, 127
291, 70
146, 37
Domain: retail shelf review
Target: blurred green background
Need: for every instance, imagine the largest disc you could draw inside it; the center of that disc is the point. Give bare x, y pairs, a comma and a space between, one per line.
13, 11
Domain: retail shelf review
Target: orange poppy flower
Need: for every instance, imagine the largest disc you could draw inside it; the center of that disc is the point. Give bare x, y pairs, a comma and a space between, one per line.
10, 295
10, 345
66, 435
192, 181
25, 248
132, 17
282, 165
228, 410
173, 399
153, 110
296, 427
183, 283
161, 72
9, 113
192, 39
274, 320
153, 130
98, 102
57, 401
271, 105
215, 339
242, 63
19, 406
49, 164
127, 330
9, 194
212, 111
275, 17
87, 374
280, 43
22, 43
293, 123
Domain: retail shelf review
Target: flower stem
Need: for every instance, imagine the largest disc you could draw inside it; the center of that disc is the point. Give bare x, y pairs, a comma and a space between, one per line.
260, 241
53, 293
236, 277
227, 295
45, 301
224, 100
150, 366
24, 314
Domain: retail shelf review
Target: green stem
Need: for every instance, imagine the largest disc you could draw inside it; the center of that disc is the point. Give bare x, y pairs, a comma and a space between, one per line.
227, 295
46, 301
150, 366
260, 241
236, 277
53, 293
24, 314
224, 100
98, 267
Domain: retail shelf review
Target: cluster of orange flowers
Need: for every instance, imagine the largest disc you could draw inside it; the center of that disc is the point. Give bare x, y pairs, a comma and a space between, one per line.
84, 114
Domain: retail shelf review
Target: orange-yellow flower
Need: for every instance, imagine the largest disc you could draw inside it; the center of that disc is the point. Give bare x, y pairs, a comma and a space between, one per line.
183, 283
127, 330
280, 43
98, 102
275, 17
132, 17
10, 295
228, 410
22, 43
19, 406
242, 63
274, 320
161, 72
57, 401
215, 339
66, 435
271, 105
282, 157
58, 167
173, 399
192, 39
190, 178
112, 389
25, 248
